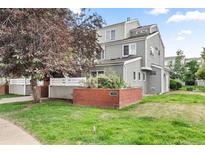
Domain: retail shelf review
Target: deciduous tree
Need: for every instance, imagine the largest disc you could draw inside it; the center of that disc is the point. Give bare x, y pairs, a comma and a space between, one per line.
38, 42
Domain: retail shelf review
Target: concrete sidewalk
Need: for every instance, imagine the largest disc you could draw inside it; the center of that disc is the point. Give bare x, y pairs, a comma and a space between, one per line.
16, 99
12, 134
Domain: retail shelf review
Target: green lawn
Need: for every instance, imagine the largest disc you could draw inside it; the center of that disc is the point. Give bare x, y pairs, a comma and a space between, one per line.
8, 96
157, 120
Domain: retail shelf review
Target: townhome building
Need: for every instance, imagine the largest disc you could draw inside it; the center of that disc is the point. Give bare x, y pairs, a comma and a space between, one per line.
135, 53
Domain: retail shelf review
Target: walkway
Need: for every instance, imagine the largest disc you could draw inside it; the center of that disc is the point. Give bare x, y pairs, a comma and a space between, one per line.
11, 134
16, 99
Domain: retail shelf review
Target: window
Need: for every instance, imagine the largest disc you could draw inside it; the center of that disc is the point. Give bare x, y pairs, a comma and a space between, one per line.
125, 50
139, 76
157, 50
112, 34
144, 76
96, 73
151, 51
134, 75
132, 49
100, 72
103, 54
129, 49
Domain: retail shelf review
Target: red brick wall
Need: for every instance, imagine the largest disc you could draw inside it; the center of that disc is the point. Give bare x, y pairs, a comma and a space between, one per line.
102, 98
129, 96
4, 89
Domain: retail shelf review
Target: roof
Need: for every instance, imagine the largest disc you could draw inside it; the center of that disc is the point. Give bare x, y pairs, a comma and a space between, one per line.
117, 60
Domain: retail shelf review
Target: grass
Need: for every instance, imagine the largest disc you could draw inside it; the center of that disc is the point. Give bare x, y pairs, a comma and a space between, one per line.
175, 98
150, 122
8, 95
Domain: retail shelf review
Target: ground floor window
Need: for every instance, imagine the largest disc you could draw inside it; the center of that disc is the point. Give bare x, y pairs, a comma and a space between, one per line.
139, 75
134, 75
97, 72
144, 76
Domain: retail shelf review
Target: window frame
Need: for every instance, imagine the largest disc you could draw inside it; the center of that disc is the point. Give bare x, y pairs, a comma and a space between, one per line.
97, 72
134, 76
111, 34
123, 55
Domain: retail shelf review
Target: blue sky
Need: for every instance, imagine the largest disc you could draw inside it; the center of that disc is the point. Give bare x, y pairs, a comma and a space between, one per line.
180, 28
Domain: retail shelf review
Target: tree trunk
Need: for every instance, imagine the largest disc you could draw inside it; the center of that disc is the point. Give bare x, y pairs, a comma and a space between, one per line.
35, 91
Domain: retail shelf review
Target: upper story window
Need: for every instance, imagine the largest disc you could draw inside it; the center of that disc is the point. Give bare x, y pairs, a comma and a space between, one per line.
125, 50
151, 51
110, 35
157, 51
129, 49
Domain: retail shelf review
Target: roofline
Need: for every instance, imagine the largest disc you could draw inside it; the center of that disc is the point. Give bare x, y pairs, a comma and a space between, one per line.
120, 63
132, 20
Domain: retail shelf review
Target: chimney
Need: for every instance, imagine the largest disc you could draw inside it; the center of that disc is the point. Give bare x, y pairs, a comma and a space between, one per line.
128, 19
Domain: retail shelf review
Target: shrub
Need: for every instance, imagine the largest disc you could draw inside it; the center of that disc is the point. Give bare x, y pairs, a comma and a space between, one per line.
189, 88
103, 81
175, 85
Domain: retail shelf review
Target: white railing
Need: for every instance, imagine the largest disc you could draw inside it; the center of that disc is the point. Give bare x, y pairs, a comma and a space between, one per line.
200, 82
22, 81
67, 81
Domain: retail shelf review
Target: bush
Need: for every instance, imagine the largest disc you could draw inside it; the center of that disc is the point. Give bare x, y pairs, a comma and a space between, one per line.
175, 85
103, 81
189, 88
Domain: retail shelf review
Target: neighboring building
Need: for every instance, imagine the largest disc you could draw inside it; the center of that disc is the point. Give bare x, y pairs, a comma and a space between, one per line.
171, 60
136, 53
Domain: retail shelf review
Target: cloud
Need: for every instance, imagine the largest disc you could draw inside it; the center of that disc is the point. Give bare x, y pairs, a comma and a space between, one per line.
186, 32
180, 38
188, 16
159, 11
76, 10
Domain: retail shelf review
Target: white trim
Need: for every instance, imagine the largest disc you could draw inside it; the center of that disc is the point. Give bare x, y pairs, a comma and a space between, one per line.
149, 36
157, 66
146, 53
110, 64
111, 35
124, 73
125, 30
146, 68
162, 81
123, 50
132, 60
144, 74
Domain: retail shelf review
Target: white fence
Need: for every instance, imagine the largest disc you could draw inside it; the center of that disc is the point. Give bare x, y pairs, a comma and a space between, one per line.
63, 87
200, 82
67, 81
21, 86
23, 81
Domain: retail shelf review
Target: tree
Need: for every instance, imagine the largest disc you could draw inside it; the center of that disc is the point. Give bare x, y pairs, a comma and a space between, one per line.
190, 72
201, 71
39, 42
177, 69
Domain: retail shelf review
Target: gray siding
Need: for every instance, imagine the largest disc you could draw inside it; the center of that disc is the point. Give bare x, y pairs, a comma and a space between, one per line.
154, 82
128, 77
155, 41
108, 69
119, 32
115, 49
